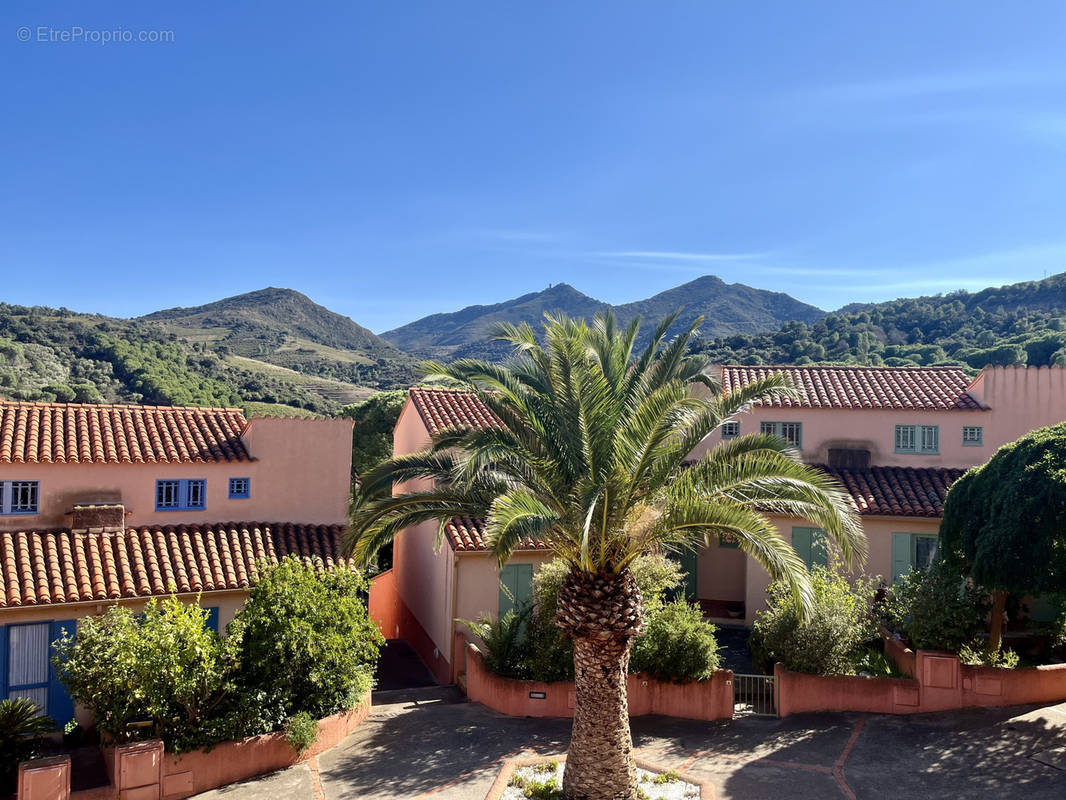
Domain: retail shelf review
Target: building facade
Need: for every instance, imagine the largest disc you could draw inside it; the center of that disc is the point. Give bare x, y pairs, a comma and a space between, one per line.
117, 504
896, 439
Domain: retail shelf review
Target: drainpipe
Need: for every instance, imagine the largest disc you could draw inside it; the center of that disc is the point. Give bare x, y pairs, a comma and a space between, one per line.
455, 611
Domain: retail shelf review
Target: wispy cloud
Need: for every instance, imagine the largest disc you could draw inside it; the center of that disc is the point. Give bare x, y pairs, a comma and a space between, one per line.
675, 255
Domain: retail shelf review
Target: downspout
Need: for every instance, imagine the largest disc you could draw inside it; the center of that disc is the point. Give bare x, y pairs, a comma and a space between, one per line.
455, 611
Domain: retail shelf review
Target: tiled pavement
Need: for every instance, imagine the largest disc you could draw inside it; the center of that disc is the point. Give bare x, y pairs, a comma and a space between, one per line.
428, 743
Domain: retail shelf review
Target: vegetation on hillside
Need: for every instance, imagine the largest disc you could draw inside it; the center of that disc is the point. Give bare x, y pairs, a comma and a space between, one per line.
1024, 323
59, 355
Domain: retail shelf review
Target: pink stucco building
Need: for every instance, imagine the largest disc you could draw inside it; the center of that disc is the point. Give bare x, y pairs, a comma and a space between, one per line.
116, 504
896, 438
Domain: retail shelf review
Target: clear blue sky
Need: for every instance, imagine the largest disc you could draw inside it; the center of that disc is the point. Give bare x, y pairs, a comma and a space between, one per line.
394, 159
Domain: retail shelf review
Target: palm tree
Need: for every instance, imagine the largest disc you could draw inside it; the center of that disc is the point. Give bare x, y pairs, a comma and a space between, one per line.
591, 460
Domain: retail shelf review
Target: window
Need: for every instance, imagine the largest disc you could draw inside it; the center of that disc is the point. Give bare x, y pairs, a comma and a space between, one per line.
792, 432
26, 669
19, 497
516, 587
730, 430
186, 494
240, 487
917, 438
973, 436
812, 545
728, 541
912, 551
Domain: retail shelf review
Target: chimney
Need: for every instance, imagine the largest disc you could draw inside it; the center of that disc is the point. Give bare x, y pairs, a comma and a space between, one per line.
98, 515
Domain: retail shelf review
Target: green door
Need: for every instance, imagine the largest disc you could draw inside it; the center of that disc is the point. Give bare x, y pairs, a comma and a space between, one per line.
516, 587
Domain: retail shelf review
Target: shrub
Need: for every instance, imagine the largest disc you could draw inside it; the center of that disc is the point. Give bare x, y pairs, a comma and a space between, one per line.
549, 655
936, 608
307, 639
164, 665
301, 731
977, 654
832, 641
505, 642
21, 727
677, 643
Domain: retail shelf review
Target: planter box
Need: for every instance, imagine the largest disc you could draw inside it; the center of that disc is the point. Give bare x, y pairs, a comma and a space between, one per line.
185, 774
704, 700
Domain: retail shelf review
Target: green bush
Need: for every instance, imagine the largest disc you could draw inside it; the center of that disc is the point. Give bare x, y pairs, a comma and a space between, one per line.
977, 654
504, 642
303, 644
307, 639
301, 731
936, 608
164, 665
677, 643
549, 655
21, 727
832, 641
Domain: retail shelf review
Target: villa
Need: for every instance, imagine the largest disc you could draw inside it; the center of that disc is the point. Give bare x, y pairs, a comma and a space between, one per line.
104, 504
895, 437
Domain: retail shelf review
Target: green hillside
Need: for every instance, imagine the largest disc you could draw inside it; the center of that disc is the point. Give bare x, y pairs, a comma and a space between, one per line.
285, 328
1022, 323
235, 352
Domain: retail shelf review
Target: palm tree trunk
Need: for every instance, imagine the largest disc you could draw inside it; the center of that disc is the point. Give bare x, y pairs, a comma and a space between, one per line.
599, 763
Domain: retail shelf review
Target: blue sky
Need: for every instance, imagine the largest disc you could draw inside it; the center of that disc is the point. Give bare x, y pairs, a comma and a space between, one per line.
397, 159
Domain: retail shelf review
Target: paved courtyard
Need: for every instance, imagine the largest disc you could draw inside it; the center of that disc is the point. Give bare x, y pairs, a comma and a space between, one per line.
430, 743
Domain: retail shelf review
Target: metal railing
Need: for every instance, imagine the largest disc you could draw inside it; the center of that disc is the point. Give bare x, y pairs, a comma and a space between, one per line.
753, 695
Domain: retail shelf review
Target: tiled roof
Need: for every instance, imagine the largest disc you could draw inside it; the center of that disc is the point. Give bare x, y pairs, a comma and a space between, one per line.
917, 388
466, 534
441, 409
42, 567
45, 433
897, 491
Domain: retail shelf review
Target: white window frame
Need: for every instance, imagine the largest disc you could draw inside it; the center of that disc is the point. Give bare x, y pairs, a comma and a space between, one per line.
731, 429
8, 492
973, 436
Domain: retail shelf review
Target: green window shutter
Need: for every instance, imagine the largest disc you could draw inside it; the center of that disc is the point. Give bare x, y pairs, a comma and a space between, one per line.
819, 548
516, 587
901, 555
801, 543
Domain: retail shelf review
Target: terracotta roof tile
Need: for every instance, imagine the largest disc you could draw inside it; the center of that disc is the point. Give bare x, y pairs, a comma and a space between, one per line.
915, 388
441, 409
897, 491
61, 566
466, 534
47, 433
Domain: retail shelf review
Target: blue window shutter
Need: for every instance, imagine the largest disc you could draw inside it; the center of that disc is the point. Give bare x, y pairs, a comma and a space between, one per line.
901, 555
60, 706
212, 618
3, 661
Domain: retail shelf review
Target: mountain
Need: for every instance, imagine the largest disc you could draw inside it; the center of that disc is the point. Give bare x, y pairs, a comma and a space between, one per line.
467, 332
728, 308
1021, 323
286, 329
271, 351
